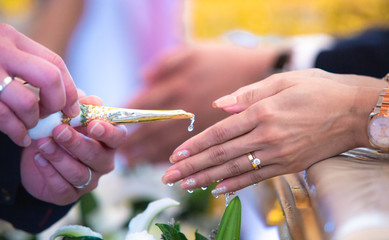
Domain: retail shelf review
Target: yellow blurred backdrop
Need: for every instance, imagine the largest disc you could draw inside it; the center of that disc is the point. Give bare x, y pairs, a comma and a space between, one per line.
212, 18
13, 8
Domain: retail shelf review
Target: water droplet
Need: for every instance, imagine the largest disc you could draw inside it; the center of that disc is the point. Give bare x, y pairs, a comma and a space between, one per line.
190, 191
255, 184
217, 196
192, 120
227, 195
204, 188
170, 184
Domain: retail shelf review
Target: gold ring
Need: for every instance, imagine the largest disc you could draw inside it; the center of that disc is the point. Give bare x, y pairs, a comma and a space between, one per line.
255, 162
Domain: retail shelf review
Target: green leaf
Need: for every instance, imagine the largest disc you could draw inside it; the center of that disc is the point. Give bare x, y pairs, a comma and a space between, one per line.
198, 236
170, 233
229, 228
88, 204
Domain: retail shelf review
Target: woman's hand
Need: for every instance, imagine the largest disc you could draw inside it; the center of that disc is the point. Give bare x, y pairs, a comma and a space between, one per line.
191, 78
27, 60
289, 121
52, 167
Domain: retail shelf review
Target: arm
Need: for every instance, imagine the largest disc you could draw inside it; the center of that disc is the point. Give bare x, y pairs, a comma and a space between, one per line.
289, 121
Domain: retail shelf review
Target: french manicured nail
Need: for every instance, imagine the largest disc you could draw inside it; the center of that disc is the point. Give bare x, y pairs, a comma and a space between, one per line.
75, 109
40, 160
190, 182
64, 135
97, 130
217, 191
26, 141
179, 156
225, 101
171, 176
47, 147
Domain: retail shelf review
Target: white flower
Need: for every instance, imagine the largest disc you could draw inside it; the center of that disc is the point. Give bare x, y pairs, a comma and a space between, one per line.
137, 228
75, 231
144, 235
142, 222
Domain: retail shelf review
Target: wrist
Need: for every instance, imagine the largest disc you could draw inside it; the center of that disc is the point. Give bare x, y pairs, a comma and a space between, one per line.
378, 124
365, 101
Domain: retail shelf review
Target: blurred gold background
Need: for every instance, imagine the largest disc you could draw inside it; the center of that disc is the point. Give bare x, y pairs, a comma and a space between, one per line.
212, 18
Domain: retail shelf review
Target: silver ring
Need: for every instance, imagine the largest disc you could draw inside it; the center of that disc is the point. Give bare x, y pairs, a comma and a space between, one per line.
87, 182
255, 162
7, 80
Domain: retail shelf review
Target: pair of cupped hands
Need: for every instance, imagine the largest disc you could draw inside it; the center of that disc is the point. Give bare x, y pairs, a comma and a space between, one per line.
51, 167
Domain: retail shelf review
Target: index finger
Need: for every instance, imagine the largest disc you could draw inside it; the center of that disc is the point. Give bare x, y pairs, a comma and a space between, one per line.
227, 129
29, 46
111, 136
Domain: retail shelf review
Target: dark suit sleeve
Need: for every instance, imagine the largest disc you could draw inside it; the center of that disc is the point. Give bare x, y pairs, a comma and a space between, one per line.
365, 54
17, 206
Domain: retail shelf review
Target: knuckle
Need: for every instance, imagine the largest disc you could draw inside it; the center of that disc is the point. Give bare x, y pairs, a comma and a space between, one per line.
249, 96
207, 178
217, 154
30, 108
285, 152
78, 177
315, 72
91, 156
53, 76
74, 143
239, 185
265, 112
187, 167
4, 111
233, 168
108, 167
256, 177
62, 189
57, 61
269, 136
219, 134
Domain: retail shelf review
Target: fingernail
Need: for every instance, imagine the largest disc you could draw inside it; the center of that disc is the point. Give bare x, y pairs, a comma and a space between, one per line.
171, 176
97, 130
75, 109
217, 191
47, 147
26, 141
64, 135
40, 160
179, 156
225, 101
123, 129
190, 182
